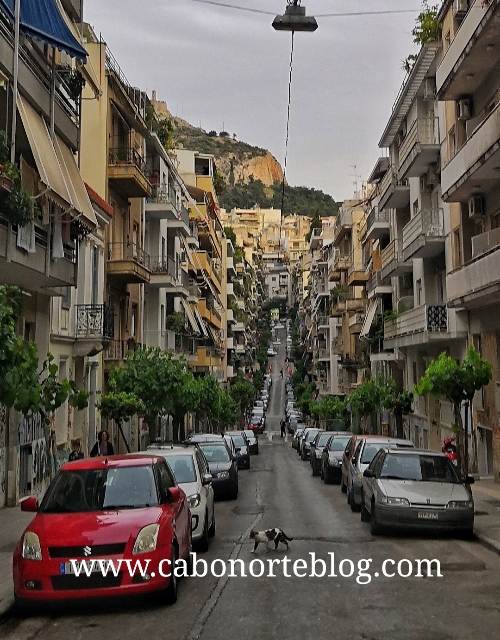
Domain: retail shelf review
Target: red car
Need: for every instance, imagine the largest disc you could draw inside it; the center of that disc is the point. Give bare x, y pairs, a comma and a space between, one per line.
112, 512
256, 427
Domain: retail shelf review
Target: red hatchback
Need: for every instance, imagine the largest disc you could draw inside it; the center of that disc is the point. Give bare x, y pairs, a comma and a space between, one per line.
105, 527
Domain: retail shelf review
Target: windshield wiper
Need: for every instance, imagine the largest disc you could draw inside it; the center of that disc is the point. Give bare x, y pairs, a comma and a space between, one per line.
394, 478
116, 507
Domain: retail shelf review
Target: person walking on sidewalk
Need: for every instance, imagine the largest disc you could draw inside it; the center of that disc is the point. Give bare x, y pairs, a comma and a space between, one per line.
282, 427
76, 452
102, 447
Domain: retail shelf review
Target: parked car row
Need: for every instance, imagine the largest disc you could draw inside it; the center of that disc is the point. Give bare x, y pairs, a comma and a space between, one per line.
257, 422
293, 416
388, 480
153, 506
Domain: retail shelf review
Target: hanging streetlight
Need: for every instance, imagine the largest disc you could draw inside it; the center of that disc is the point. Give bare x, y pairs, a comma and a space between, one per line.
295, 19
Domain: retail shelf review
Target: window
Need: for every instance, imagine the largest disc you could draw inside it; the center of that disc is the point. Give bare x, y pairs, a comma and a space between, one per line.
415, 208
452, 143
419, 292
95, 276
166, 479
457, 249
66, 298
447, 41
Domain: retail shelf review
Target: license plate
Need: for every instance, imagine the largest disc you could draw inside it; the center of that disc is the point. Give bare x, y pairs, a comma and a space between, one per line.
66, 568
427, 515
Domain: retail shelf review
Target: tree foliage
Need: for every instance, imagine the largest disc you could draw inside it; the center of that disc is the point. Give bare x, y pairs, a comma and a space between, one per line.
427, 27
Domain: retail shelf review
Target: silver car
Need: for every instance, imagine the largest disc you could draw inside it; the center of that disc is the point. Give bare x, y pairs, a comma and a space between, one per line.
366, 448
416, 488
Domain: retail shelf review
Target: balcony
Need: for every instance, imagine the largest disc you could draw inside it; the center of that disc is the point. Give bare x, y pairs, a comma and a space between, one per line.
347, 302
356, 322
128, 173
192, 239
337, 346
36, 271
230, 316
230, 343
316, 239
230, 268
394, 193
165, 273
230, 289
240, 348
207, 264
462, 69
477, 284
128, 263
475, 167
343, 224
424, 236
393, 264
377, 286
424, 324
356, 275
420, 148
323, 321
238, 327
377, 224
209, 313
95, 325
116, 350
161, 206
231, 373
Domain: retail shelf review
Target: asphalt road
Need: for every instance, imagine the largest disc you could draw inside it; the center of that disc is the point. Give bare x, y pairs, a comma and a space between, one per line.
279, 490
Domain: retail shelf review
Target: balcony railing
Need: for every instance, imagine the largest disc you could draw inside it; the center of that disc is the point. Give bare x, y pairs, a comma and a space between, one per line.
128, 251
118, 349
164, 265
377, 215
423, 131
427, 224
393, 252
432, 318
485, 242
130, 156
94, 321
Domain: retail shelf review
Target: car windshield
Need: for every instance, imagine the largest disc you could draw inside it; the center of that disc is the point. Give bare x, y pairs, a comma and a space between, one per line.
214, 453
323, 439
339, 444
182, 467
371, 449
310, 435
238, 440
423, 468
249, 434
101, 489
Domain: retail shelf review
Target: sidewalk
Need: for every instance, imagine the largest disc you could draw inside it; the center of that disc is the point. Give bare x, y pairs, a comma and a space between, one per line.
487, 507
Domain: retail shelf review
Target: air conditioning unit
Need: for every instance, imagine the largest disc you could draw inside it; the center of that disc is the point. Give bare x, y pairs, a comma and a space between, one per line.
460, 8
432, 174
476, 206
424, 184
430, 88
464, 109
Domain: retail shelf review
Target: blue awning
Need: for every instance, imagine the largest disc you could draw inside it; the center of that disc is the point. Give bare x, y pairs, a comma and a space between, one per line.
41, 20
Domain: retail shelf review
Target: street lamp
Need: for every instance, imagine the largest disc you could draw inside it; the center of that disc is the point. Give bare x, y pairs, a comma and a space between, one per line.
295, 19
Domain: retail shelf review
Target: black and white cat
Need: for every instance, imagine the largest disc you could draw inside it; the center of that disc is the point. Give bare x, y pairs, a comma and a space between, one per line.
275, 535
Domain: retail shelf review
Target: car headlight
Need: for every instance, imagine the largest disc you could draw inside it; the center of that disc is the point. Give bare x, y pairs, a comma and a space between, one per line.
333, 460
194, 500
223, 474
31, 546
146, 540
460, 504
396, 502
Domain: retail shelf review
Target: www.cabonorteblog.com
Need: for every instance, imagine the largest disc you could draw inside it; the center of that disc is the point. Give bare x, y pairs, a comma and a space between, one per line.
361, 570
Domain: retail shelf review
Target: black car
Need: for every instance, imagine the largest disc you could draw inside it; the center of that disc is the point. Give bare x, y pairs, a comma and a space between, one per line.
305, 442
253, 442
331, 458
316, 450
223, 467
242, 448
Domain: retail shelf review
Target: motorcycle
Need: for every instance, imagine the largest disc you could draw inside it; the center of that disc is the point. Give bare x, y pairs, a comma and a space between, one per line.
450, 450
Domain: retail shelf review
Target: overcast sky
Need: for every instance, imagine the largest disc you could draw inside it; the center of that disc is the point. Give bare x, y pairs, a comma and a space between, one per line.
219, 67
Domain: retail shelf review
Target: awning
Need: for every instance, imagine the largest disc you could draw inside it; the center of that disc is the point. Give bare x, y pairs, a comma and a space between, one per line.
201, 322
369, 317
41, 20
195, 192
43, 151
56, 165
190, 316
78, 193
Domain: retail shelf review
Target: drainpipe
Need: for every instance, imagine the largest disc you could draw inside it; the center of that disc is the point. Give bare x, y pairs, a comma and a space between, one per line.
15, 74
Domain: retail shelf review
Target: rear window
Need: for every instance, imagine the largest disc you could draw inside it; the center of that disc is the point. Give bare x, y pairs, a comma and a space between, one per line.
214, 453
339, 444
310, 435
182, 468
238, 440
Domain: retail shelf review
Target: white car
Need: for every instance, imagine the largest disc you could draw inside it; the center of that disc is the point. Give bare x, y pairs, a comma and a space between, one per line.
271, 352
191, 470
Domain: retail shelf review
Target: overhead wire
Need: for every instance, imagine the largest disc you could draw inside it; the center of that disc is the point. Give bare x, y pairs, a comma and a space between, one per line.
283, 183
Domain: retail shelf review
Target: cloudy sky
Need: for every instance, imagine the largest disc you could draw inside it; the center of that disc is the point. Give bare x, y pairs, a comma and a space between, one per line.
223, 68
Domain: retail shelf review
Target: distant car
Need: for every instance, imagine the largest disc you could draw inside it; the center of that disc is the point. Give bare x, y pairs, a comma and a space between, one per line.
418, 489
316, 450
115, 508
366, 448
305, 444
253, 442
242, 448
331, 457
296, 436
223, 467
198, 438
193, 476
271, 353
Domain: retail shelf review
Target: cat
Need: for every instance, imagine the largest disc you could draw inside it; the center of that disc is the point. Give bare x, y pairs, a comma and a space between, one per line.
275, 535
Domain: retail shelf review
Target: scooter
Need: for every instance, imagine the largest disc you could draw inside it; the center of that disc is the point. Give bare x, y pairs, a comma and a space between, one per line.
450, 450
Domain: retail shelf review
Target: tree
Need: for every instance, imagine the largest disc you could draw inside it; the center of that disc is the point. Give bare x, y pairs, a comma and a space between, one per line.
230, 235
365, 399
209, 398
243, 393
24, 386
427, 27
331, 408
458, 383
120, 406
315, 224
227, 411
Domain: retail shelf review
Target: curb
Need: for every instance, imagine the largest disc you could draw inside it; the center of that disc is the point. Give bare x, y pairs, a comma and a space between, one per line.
489, 543
6, 608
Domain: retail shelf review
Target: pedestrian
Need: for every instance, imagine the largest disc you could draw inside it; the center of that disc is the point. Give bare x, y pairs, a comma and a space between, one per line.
281, 372
282, 427
76, 452
103, 446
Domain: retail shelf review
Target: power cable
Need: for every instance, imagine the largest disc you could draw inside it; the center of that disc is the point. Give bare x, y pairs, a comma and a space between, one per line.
286, 143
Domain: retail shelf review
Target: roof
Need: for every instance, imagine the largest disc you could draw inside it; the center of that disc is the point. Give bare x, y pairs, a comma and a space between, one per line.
100, 202
106, 462
406, 452
384, 440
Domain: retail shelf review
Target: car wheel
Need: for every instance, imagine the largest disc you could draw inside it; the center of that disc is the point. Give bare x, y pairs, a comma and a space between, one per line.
343, 486
352, 503
327, 477
202, 543
466, 534
234, 493
315, 469
365, 514
375, 528
321, 473
171, 590
211, 531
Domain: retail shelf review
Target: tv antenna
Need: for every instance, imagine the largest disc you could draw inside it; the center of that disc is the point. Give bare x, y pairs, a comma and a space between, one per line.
355, 175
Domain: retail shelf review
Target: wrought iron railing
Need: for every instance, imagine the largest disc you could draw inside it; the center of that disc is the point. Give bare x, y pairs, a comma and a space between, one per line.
129, 156
129, 251
95, 321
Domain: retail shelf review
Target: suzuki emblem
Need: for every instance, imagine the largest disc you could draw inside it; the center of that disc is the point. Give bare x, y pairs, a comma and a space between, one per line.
87, 551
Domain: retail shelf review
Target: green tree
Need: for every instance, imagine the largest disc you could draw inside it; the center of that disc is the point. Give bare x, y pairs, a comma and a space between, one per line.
458, 383
331, 408
230, 235
121, 406
427, 27
226, 415
209, 398
243, 393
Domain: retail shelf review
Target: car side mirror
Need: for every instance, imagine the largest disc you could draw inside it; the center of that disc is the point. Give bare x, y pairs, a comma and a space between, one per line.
206, 479
29, 504
368, 473
173, 494
470, 480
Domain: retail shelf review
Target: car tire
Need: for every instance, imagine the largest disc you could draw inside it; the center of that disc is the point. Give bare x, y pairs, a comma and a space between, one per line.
352, 503
365, 514
326, 477
466, 534
343, 486
234, 493
315, 470
171, 590
321, 473
202, 544
375, 528
211, 531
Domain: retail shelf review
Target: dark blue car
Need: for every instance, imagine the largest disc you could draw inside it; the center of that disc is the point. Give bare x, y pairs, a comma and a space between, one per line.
242, 448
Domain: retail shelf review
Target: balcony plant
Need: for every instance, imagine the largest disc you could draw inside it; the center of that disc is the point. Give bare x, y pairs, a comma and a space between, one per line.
176, 322
16, 205
428, 26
